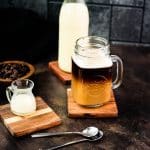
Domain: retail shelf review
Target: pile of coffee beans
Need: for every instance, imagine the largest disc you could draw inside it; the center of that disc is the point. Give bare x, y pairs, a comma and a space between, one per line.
13, 71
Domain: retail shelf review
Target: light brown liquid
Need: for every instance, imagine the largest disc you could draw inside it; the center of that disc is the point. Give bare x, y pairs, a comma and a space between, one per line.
91, 87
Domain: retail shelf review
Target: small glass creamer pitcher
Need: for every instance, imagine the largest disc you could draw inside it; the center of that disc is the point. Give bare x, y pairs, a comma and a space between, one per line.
20, 96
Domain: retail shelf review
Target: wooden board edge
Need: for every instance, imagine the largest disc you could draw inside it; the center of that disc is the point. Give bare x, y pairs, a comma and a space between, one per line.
20, 134
57, 72
113, 114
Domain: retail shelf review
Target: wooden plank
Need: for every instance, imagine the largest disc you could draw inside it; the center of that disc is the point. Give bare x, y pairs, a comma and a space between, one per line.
44, 117
63, 76
108, 110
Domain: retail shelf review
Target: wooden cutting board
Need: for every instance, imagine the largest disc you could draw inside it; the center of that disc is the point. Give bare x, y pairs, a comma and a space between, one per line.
105, 111
63, 76
44, 117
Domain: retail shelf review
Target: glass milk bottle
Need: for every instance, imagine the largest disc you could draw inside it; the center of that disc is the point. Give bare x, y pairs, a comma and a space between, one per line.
73, 23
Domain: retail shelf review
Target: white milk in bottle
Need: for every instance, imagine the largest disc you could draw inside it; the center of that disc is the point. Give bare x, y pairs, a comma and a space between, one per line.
73, 24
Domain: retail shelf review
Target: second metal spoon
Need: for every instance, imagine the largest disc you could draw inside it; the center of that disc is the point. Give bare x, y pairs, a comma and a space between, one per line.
97, 137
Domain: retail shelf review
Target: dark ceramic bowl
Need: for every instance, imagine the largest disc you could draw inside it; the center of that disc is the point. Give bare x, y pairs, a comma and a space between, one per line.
14, 69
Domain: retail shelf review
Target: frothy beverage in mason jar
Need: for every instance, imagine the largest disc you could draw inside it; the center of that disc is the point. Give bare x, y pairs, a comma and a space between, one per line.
92, 63
92, 79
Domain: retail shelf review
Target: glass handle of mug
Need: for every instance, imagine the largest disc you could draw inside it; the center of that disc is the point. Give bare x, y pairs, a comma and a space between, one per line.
119, 71
9, 93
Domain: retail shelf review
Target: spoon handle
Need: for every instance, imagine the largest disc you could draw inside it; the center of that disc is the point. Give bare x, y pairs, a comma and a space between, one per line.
36, 135
66, 144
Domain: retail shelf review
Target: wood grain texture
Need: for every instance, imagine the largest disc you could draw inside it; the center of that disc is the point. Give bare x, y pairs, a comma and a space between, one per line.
44, 117
108, 110
63, 76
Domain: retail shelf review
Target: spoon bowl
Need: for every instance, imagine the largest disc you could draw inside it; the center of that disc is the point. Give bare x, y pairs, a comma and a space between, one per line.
90, 131
98, 136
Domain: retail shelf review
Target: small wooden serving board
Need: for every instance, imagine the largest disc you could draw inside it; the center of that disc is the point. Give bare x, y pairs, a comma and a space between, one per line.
44, 117
105, 111
63, 76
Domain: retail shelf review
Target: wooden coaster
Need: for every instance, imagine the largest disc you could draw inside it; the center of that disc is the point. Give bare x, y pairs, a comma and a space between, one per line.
43, 118
63, 76
107, 110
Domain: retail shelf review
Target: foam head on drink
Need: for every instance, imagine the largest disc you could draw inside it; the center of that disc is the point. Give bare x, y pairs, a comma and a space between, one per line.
91, 80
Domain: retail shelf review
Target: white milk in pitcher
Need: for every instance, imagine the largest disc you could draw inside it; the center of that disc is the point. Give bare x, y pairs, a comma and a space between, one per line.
23, 104
73, 24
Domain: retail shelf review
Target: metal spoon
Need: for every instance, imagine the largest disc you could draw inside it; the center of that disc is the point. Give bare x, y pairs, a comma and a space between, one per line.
87, 132
90, 139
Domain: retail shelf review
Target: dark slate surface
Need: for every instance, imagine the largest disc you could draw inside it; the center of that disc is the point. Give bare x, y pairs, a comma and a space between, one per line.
99, 20
53, 18
126, 24
38, 6
146, 25
98, 1
129, 131
139, 3
55, 0
53, 11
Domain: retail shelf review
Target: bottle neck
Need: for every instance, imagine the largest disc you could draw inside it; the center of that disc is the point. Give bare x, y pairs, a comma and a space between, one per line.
74, 1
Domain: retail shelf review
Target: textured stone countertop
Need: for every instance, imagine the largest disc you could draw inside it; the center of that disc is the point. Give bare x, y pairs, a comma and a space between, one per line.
130, 130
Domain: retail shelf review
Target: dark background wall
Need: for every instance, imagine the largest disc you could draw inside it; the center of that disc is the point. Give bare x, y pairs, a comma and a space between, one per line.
120, 21
25, 33
29, 28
